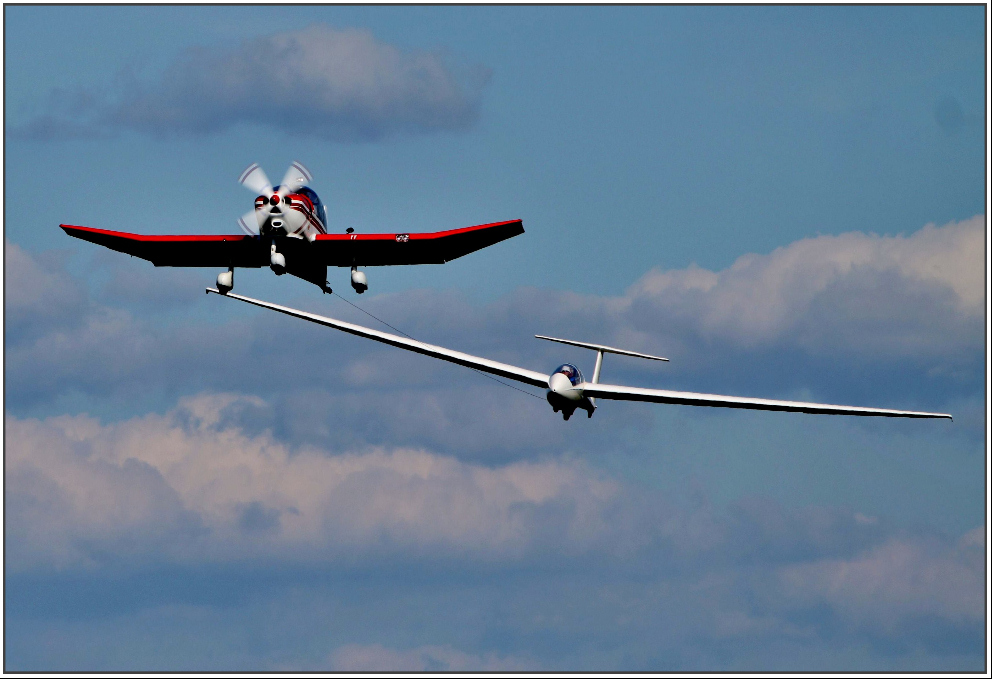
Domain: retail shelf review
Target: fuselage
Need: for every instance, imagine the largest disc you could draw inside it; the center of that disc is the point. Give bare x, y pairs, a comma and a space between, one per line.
564, 392
300, 213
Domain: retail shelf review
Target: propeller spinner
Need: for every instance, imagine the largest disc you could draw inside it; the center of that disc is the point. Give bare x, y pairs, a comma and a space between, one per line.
271, 200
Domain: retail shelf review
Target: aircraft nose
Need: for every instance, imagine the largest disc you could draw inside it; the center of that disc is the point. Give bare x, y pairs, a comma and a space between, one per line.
560, 384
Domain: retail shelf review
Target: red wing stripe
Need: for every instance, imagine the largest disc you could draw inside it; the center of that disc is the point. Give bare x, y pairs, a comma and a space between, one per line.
414, 236
157, 239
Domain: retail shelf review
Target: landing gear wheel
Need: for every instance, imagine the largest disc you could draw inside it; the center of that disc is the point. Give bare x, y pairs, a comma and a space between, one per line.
225, 281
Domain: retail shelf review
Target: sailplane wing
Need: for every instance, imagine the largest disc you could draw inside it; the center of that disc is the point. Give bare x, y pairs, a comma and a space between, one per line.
512, 372
621, 393
601, 391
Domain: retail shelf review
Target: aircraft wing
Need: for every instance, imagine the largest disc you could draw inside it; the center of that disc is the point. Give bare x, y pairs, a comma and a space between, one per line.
381, 249
621, 393
215, 251
512, 372
372, 249
603, 391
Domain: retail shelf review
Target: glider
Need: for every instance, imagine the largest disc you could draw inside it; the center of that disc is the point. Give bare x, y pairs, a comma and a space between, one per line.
566, 388
287, 232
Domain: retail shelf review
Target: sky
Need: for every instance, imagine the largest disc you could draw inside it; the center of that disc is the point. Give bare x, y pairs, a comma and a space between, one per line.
788, 202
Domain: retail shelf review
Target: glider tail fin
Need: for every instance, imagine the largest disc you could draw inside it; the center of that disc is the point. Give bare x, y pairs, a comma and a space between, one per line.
600, 349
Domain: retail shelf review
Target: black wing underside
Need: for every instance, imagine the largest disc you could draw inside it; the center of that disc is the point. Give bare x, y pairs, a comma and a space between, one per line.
242, 251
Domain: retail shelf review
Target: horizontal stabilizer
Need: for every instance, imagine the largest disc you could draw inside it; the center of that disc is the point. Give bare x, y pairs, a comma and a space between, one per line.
602, 347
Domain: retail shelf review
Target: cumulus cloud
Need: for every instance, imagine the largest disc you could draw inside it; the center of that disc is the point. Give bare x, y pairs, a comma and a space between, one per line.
190, 486
898, 581
194, 488
39, 295
885, 294
565, 550
379, 457
320, 81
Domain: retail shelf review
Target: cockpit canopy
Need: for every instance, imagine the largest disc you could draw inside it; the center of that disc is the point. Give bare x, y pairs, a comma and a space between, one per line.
573, 374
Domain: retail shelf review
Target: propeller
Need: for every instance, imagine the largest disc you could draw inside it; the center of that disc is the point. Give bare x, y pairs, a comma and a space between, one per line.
255, 180
296, 177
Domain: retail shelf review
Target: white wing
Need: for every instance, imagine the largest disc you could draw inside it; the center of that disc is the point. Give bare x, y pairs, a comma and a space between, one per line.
620, 393
603, 391
485, 365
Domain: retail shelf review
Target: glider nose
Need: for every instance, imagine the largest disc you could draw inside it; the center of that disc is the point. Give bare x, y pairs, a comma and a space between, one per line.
561, 385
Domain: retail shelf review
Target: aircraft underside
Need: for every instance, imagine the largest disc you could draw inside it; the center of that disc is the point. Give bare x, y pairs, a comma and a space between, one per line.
299, 256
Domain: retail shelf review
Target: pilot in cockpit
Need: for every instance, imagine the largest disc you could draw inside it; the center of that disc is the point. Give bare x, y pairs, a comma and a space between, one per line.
571, 372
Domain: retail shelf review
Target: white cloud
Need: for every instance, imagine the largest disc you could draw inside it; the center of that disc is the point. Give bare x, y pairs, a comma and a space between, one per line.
337, 84
878, 294
903, 579
38, 294
194, 489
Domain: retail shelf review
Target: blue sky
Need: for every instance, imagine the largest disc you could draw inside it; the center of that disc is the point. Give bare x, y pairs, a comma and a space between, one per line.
786, 201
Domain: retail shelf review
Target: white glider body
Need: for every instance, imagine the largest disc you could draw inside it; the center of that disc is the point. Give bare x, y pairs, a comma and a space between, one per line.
567, 391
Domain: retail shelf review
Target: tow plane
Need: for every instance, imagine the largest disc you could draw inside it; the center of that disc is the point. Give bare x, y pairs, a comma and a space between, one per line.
287, 231
566, 389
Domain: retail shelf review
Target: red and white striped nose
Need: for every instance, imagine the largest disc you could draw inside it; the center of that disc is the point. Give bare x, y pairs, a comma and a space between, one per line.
270, 199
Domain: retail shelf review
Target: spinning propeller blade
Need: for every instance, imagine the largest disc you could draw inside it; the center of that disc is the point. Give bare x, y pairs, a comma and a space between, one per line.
254, 179
249, 221
296, 177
